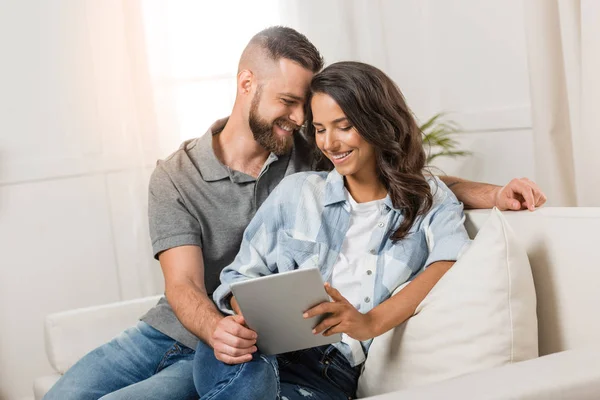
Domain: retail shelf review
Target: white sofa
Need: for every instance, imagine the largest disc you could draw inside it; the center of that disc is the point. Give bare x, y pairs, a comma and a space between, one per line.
561, 244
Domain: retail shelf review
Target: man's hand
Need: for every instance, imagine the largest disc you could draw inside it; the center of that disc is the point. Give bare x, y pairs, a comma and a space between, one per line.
519, 194
232, 341
343, 318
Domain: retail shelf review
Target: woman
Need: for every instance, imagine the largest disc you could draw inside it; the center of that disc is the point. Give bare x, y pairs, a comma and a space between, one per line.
373, 223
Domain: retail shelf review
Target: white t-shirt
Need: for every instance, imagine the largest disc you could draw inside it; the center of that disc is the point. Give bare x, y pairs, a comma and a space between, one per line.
355, 268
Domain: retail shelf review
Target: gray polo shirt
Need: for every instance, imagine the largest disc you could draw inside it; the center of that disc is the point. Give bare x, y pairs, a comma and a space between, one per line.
195, 200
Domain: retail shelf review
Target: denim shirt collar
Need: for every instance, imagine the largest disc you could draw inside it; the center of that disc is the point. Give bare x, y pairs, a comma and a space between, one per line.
334, 188
334, 192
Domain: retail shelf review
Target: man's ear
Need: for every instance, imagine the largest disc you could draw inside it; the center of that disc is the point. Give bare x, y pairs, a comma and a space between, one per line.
245, 79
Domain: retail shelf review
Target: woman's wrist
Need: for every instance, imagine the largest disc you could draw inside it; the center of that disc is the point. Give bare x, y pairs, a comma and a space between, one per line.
373, 324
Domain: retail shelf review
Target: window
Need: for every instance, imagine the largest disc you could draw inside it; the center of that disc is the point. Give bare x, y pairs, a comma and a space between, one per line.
193, 50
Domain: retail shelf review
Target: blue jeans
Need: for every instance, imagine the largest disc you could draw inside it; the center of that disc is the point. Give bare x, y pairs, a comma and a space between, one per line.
311, 374
140, 363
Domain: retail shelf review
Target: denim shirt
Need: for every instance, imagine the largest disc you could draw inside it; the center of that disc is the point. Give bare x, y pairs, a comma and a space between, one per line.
304, 221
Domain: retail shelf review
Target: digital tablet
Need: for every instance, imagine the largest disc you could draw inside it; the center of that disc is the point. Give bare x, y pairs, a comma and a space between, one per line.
273, 306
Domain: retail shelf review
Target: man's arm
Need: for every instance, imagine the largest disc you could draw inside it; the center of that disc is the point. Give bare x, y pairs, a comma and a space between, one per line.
183, 269
518, 194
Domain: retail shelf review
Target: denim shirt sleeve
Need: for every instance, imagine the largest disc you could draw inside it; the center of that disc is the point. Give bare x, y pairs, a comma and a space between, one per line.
444, 227
257, 250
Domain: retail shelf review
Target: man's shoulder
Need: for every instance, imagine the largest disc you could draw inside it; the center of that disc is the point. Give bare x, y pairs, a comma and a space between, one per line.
170, 172
182, 162
183, 155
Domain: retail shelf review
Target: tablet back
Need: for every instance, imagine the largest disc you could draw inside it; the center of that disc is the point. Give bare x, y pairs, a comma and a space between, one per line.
273, 306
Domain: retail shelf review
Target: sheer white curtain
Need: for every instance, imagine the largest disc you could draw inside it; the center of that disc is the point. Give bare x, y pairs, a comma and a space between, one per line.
162, 72
193, 50
342, 29
563, 44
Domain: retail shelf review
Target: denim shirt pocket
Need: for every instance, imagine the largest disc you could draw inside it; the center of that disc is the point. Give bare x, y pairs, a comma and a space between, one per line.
295, 253
412, 250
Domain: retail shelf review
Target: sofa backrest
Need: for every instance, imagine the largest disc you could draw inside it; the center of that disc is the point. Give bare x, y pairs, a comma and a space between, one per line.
562, 245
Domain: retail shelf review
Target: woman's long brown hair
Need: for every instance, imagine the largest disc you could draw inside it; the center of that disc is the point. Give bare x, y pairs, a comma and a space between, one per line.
376, 108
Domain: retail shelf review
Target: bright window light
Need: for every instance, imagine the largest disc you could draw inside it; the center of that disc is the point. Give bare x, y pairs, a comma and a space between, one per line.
193, 49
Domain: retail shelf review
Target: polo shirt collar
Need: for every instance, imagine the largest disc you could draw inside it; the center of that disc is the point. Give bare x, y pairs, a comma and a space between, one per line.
211, 168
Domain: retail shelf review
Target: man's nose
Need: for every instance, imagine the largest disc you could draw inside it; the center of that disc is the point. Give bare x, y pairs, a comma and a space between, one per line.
297, 115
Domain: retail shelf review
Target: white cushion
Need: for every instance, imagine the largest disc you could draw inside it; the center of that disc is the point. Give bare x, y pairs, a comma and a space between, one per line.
561, 243
72, 334
480, 315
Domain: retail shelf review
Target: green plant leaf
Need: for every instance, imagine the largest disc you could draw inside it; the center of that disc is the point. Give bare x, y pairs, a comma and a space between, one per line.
438, 137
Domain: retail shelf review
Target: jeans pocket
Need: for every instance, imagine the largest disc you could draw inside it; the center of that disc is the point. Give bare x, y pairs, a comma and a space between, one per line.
283, 361
183, 349
175, 353
293, 357
344, 378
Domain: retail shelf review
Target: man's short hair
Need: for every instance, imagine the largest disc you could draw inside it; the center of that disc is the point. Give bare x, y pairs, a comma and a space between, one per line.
282, 42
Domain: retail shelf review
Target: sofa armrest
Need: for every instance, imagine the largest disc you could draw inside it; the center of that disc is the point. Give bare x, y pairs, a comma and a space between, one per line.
69, 335
573, 375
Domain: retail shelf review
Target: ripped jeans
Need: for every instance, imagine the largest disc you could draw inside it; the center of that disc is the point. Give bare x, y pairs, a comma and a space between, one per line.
312, 374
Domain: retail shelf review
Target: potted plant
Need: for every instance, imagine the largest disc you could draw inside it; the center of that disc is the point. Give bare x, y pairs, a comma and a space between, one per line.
438, 138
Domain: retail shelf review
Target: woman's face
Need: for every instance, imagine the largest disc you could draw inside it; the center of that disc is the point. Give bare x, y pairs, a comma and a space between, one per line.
339, 141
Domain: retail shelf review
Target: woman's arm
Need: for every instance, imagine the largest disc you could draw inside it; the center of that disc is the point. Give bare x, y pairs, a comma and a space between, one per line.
344, 318
232, 340
400, 307
446, 237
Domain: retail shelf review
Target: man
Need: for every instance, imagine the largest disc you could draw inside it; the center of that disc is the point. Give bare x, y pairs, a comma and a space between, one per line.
201, 198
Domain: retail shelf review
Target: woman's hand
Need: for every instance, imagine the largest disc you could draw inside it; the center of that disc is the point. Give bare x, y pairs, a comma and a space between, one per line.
342, 318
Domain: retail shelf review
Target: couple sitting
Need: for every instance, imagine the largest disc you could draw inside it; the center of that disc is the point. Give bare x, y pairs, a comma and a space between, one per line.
382, 221
371, 219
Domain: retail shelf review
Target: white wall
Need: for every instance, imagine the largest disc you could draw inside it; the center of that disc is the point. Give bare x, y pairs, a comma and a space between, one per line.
76, 149
479, 53
466, 57
74, 163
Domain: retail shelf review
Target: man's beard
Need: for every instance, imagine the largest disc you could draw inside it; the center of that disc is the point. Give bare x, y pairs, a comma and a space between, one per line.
262, 130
